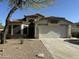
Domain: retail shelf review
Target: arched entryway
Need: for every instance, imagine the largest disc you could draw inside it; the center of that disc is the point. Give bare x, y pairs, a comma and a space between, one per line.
31, 30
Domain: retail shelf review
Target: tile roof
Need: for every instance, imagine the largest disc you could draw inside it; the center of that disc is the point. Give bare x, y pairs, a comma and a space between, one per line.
50, 18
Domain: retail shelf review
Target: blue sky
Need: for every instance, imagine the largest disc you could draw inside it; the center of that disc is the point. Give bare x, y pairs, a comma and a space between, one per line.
61, 8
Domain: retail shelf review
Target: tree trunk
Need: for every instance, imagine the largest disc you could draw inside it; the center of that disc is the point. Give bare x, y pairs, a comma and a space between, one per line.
6, 25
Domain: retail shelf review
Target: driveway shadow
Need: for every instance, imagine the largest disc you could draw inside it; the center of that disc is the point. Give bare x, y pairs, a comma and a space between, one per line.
73, 41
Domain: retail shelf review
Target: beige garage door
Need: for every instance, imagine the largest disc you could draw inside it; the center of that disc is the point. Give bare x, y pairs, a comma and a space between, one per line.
53, 32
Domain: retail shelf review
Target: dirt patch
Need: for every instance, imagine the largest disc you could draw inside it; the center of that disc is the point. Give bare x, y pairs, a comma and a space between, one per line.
27, 50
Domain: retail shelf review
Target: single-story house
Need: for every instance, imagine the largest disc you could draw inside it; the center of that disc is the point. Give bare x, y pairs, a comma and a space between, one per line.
39, 26
1, 28
75, 30
75, 27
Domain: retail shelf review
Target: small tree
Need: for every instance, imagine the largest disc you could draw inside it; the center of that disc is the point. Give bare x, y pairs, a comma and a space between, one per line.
16, 4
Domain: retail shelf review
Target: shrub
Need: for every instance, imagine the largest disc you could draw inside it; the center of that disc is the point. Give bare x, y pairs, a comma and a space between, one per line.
75, 34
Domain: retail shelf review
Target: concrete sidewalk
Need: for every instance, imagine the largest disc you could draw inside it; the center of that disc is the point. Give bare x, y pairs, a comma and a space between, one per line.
61, 49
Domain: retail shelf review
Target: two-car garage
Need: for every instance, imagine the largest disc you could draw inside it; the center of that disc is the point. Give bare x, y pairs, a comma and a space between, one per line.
59, 31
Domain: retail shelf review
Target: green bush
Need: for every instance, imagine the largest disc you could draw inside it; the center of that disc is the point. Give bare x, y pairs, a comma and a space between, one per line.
75, 34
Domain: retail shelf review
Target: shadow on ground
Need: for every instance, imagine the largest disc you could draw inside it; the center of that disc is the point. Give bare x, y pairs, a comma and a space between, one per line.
73, 41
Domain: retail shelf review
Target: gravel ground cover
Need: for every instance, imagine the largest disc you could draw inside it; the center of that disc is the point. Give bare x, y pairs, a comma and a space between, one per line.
28, 50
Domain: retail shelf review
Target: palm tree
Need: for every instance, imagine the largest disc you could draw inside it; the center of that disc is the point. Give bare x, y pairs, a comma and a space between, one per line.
16, 4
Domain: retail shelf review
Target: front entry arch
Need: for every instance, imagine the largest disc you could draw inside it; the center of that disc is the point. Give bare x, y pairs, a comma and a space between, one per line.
31, 30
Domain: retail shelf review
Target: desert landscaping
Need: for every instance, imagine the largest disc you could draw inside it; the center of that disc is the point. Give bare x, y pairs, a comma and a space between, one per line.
54, 48
28, 50
39, 29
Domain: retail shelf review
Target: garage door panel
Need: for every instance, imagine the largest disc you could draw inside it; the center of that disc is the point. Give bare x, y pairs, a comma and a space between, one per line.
52, 32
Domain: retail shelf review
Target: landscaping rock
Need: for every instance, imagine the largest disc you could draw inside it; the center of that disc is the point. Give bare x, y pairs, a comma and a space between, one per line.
40, 55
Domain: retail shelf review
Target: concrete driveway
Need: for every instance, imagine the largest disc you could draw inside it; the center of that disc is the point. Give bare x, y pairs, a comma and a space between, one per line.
61, 49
